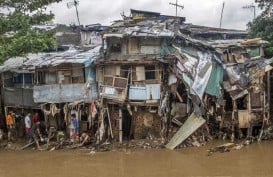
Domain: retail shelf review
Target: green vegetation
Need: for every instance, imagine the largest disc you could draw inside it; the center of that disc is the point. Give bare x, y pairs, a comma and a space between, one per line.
18, 35
262, 26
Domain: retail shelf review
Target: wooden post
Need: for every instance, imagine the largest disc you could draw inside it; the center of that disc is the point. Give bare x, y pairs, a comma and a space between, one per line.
120, 125
234, 105
268, 94
249, 131
109, 121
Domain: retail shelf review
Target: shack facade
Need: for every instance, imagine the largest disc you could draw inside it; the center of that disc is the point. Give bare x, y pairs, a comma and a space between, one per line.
132, 74
150, 76
17, 76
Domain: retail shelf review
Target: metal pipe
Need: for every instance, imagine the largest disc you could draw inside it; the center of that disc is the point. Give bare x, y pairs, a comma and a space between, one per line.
222, 14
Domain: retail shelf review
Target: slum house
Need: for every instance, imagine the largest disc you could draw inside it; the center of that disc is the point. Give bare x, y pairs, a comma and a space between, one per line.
132, 73
191, 96
64, 85
17, 80
225, 86
67, 36
91, 35
17, 74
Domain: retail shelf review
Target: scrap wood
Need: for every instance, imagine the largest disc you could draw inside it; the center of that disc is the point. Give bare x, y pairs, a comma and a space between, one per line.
27, 145
74, 146
110, 124
227, 147
179, 97
221, 148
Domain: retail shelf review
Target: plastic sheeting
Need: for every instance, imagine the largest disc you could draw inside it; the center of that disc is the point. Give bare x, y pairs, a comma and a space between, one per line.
216, 78
203, 72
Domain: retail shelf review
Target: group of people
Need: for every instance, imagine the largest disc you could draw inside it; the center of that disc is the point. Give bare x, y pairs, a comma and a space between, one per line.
31, 123
34, 129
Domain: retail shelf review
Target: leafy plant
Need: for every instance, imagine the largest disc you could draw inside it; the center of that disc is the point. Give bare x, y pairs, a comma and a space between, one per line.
19, 34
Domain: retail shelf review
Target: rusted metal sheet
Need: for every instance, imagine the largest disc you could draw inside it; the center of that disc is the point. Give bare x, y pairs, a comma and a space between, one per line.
188, 128
120, 82
255, 100
64, 93
108, 80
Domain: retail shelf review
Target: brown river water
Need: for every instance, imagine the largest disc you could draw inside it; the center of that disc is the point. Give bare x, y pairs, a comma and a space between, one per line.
250, 161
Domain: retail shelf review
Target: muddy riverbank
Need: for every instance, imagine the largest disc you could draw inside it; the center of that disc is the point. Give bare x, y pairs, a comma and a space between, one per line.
251, 161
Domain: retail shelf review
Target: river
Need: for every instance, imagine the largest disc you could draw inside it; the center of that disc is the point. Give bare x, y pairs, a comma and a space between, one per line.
255, 160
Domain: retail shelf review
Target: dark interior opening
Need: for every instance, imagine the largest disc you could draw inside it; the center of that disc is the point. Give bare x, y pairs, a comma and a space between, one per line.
126, 124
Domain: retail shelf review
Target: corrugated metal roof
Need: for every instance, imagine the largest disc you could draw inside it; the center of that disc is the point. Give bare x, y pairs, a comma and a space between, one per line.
151, 28
28, 63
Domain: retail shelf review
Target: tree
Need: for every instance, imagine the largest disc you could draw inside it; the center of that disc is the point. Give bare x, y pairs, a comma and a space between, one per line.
262, 26
18, 34
266, 5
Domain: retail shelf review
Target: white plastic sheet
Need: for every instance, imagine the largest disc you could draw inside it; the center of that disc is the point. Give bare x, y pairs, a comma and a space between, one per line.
203, 72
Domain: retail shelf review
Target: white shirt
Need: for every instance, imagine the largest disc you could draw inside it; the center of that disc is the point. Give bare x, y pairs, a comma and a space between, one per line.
27, 122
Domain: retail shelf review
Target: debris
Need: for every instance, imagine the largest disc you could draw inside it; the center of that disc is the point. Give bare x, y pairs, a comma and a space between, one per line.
188, 128
92, 152
27, 145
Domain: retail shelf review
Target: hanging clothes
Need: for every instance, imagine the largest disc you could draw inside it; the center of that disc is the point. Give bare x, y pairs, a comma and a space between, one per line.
93, 109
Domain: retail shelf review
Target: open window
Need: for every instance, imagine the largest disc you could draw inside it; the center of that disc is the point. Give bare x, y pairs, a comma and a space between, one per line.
114, 45
150, 72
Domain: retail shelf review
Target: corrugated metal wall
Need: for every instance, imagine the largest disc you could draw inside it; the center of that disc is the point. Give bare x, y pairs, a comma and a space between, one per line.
148, 92
64, 93
19, 97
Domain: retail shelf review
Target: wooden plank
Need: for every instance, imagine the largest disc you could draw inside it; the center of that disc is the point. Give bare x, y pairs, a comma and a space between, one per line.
179, 97
110, 125
188, 128
243, 118
140, 73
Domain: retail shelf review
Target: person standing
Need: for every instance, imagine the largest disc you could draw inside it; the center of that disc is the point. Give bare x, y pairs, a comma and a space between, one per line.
10, 124
27, 123
35, 134
51, 127
74, 126
36, 118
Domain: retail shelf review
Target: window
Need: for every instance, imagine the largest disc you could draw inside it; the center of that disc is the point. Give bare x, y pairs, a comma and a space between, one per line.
51, 77
115, 45
115, 48
40, 77
254, 51
22, 78
150, 72
124, 70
